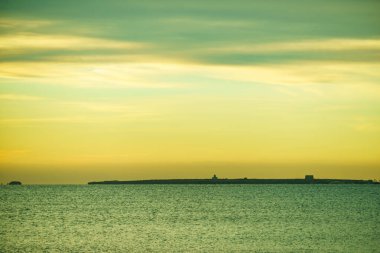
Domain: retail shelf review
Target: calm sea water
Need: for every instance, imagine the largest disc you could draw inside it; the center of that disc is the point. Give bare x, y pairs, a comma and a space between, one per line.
190, 218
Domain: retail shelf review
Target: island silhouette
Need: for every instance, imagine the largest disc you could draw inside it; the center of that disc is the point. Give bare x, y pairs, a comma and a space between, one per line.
308, 179
15, 183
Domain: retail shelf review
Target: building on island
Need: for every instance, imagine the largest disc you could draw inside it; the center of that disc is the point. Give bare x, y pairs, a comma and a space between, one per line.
309, 178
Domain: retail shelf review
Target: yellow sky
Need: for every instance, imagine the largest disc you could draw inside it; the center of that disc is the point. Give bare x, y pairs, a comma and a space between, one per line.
92, 101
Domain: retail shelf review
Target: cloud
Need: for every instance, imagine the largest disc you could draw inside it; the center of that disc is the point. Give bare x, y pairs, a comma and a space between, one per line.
41, 120
19, 97
100, 107
302, 73
24, 42
42, 40
206, 23
64, 59
71, 48
96, 75
164, 75
98, 119
301, 46
11, 23
59, 111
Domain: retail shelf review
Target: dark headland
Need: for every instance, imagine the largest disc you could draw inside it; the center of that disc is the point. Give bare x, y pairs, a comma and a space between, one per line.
309, 179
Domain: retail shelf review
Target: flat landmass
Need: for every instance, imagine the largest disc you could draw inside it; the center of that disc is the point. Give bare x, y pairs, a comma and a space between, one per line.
215, 180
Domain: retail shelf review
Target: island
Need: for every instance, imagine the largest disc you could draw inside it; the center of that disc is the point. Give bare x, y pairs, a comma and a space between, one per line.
15, 183
308, 179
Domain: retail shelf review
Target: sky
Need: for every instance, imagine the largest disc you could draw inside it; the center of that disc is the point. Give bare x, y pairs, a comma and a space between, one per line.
120, 89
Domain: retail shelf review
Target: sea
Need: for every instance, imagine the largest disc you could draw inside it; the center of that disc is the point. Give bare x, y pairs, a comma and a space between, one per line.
190, 218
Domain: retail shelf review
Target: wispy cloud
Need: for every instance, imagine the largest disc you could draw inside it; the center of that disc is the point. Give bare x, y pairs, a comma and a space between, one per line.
84, 112
43, 40
98, 119
207, 23
41, 120
301, 46
100, 106
23, 24
101, 75
49, 42
29, 43
174, 75
19, 97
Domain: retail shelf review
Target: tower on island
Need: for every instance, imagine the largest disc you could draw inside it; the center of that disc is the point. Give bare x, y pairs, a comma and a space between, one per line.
214, 178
